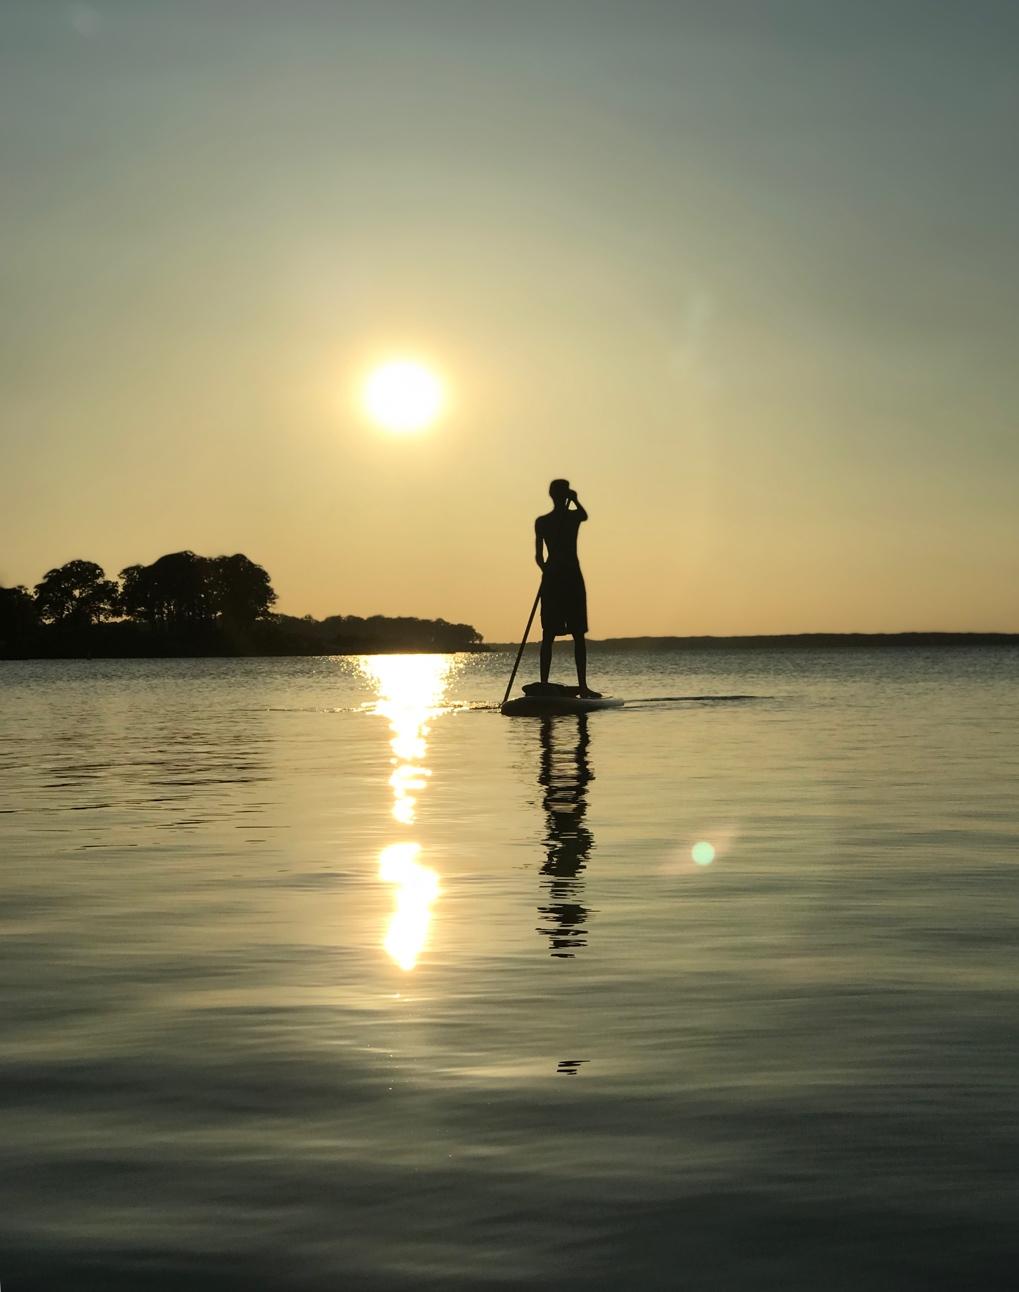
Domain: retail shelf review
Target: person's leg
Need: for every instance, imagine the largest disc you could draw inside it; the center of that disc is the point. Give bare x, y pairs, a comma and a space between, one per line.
547, 641
580, 652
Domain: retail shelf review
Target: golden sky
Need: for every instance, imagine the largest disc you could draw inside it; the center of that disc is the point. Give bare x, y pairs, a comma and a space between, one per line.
745, 273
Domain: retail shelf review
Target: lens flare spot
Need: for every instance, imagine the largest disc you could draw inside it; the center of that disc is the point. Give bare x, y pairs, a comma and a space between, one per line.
703, 853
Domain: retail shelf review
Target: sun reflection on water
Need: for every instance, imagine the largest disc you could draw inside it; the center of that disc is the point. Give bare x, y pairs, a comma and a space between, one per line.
417, 887
410, 693
411, 688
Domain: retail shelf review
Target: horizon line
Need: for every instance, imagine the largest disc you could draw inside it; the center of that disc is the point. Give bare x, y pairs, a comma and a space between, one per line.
931, 634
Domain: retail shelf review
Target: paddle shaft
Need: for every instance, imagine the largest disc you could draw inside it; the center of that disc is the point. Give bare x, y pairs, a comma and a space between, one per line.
523, 643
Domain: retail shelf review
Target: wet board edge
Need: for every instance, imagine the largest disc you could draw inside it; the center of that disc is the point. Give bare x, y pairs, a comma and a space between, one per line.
526, 706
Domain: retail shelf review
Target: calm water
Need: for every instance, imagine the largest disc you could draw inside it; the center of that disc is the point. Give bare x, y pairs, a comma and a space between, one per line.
321, 974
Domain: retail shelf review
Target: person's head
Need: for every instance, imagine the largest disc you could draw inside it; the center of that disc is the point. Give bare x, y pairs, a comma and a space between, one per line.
559, 492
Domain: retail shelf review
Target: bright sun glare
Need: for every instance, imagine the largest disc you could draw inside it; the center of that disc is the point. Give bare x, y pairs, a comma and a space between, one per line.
403, 395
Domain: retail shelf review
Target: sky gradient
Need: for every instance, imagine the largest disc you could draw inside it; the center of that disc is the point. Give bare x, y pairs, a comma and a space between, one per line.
746, 273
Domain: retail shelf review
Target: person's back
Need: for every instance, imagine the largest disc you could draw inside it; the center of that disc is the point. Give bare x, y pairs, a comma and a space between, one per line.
559, 530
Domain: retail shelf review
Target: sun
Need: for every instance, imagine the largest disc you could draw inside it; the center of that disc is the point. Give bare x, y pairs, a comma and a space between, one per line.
403, 395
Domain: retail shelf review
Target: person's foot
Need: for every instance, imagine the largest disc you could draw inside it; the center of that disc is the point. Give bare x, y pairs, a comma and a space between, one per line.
586, 693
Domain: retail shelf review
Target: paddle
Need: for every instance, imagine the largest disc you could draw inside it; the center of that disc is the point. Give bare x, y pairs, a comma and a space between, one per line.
523, 643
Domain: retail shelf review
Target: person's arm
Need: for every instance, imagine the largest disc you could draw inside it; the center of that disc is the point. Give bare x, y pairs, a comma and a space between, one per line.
577, 505
539, 553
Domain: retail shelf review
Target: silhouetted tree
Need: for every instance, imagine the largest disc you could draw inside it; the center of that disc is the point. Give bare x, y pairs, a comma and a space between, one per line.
76, 594
185, 604
182, 590
173, 591
240, 590
135, 593
19, 619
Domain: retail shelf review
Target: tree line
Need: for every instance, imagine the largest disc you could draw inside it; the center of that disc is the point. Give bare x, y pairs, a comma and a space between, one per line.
186, 604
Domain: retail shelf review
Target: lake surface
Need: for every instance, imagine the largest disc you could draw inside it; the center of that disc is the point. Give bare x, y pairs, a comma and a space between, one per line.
322, 974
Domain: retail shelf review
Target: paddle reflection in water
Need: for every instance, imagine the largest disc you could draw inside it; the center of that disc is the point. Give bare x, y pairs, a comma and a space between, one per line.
564, 775
410, 693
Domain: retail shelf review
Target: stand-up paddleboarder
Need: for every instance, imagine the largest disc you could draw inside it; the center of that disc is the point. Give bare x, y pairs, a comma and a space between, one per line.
563, 595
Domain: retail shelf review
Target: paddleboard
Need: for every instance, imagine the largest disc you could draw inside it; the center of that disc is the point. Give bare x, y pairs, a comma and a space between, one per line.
534, 706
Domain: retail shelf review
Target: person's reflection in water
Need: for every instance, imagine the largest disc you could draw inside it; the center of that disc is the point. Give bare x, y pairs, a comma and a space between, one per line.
564, 776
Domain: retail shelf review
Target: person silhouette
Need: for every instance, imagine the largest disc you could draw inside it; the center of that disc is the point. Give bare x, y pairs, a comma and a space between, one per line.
563, 594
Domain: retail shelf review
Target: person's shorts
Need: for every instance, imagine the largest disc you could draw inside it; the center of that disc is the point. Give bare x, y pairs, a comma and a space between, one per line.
563, 602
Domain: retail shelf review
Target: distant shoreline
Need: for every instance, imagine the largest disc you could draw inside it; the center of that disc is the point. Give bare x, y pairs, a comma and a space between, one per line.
777, 641
791, 641
188, 606
171, 653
